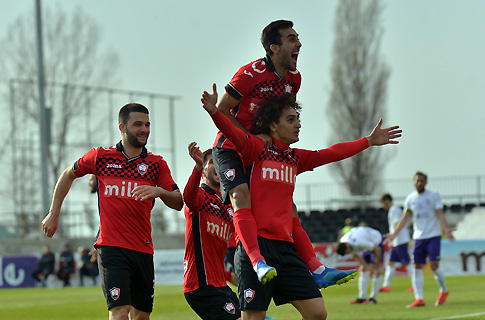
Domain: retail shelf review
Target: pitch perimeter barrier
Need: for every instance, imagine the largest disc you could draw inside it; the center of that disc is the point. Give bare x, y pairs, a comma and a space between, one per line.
464, 257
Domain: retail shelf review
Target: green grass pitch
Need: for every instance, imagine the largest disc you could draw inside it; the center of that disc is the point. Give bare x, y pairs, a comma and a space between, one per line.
467, 297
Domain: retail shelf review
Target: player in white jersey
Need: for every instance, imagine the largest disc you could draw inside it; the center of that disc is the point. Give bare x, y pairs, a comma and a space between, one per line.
428, 220
366, 245
399, 246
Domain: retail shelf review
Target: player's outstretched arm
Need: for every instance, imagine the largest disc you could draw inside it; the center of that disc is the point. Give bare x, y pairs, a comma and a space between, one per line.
63, 185
381, 136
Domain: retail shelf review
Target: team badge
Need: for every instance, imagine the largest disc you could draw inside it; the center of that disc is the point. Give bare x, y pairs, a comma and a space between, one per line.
229, 307
249, 295
142, 168
230, 174
115, 293
288, 88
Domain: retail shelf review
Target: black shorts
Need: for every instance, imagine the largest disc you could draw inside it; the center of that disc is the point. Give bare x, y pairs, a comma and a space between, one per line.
127, 277
229, 262
230, 169
293, 281
216, 303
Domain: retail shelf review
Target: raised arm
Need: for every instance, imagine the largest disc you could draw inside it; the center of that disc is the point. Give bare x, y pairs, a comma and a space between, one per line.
63, 185
192, 196
245, 143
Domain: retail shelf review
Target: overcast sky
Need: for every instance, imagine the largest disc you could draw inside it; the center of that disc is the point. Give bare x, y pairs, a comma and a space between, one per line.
434, 48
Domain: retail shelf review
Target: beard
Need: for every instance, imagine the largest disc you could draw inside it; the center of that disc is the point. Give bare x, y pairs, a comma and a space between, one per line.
134, 141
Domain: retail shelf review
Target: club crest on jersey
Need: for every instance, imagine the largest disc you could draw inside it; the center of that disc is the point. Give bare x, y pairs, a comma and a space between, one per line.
142, 168
249, 295
288, 88
229, 307
115, 293
230, 174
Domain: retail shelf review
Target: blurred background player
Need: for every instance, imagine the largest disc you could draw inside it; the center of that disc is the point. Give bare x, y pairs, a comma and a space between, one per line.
399, 252
45, 266
208, 229
87, 265
67, 265
428, 220
349, 224
273, 175
129, 180
367, 247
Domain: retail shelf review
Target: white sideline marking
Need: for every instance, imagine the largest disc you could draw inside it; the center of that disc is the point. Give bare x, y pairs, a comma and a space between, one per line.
461, 316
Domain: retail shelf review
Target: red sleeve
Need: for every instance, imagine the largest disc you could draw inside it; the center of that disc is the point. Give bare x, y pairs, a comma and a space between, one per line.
164, 179
242, 83
86, 164
248, 145
192, 198
312, 159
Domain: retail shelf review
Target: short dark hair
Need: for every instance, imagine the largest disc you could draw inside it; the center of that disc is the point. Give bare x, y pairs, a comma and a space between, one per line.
386, 197
125, 111
419, 173
271, 34
206, 155
341, 248
270, 110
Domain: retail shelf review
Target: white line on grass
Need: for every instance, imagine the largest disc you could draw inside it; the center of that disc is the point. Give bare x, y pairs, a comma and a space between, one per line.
461, 316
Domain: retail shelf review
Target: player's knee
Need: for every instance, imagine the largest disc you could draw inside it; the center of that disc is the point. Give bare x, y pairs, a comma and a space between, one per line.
240, 196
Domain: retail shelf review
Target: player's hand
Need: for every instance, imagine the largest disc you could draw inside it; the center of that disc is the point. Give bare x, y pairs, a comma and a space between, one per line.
388, 239
268, 142
197, 155
381, 136
209, 100
144, 192
449, 234
50, 224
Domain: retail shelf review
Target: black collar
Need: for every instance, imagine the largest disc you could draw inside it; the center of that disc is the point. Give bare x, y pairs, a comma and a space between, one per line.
119, 147
210, 190
271, 67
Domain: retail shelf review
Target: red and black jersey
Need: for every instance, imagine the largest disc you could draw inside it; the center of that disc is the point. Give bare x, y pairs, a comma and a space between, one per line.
252, 84
273, 174
207, 231
124, 221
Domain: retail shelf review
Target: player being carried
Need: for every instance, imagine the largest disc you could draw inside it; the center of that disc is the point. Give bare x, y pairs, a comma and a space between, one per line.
272, 181
275, 74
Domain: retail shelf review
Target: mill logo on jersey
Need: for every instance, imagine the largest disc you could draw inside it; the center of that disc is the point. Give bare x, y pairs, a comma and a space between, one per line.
249, 295
119, 188
219, 227
278, 172
142, 168
114, 293
229, 307
230, 174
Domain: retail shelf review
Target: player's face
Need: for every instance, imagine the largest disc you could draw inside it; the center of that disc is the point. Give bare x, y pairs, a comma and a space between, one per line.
386, 204
286, 54
288, 128
419, 183
137, 129
210, 172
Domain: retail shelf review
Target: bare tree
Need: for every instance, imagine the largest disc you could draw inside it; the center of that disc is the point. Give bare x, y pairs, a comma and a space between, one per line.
73, 55
359, 88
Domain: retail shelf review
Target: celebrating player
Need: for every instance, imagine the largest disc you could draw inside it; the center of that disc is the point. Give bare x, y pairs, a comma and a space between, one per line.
129, 180
276, 74
208, 229
273, 174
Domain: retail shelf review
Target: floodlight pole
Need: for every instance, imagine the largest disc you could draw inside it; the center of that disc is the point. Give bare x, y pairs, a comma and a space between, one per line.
42, 110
